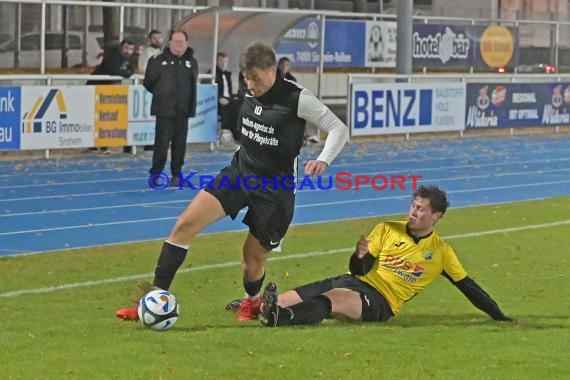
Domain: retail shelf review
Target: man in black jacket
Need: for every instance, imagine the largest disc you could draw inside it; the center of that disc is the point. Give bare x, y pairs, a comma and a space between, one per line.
171, 77
228, 104
118, 61
284, 67
394, 264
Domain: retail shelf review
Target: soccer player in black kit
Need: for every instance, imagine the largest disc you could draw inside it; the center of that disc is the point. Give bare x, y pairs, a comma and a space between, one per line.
272, 121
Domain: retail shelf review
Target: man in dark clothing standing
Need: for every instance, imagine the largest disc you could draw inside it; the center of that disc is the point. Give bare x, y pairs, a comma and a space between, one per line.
228, 104
284, 67
223, 77
171, 77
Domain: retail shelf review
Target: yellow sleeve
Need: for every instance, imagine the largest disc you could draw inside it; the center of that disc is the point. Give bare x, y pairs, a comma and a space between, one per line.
452, 266
376, 239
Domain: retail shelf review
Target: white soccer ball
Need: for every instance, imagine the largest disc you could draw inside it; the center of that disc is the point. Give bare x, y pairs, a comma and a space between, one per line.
158, 310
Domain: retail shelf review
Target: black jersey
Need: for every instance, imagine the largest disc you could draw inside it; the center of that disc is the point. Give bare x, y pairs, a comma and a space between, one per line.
271, 132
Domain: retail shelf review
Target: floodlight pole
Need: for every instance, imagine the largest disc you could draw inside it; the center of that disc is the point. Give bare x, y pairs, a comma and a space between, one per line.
215, 50
322, 60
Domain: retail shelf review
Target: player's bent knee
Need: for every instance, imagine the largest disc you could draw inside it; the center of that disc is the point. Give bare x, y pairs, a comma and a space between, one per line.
346, 304
185, 229
253, 267
185, 225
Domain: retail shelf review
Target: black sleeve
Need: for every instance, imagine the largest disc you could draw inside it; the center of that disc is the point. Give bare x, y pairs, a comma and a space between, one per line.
479, 298
230, 85
151, 75
195, 84
361, 266
128, 68
220, 82
242, 87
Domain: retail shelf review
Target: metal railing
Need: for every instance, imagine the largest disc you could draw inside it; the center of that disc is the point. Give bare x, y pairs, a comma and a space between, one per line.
51, 79
556, 33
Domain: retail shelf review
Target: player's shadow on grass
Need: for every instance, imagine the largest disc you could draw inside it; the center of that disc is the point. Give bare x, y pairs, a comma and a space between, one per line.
526, 322
532, 322
229, 325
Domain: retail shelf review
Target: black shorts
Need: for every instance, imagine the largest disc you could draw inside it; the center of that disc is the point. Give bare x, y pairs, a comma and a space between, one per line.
269, 212
375, 308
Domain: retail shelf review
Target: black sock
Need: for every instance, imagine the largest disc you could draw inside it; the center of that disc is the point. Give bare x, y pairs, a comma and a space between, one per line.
171, 257
253, 288
309, 312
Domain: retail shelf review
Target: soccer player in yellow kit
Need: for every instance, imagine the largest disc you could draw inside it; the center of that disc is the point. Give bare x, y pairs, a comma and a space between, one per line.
395, 263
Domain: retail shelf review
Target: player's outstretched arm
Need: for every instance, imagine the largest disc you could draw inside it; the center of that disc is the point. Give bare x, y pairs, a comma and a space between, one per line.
315, 112
479, 298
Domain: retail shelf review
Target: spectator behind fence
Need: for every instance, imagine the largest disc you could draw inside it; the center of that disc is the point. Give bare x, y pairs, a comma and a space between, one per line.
116, 61
228, 104
153, 49
172, 79
284, 67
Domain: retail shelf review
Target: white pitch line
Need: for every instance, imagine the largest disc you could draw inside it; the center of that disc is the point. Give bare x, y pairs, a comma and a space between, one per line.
509, 229
50, 289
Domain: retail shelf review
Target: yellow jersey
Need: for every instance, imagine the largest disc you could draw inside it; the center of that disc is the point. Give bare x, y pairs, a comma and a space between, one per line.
405, 266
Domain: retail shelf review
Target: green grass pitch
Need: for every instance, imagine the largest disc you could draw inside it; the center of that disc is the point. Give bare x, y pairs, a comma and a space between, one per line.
57, 309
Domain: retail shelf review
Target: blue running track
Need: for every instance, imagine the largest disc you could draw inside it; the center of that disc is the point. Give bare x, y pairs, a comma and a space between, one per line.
94, 200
